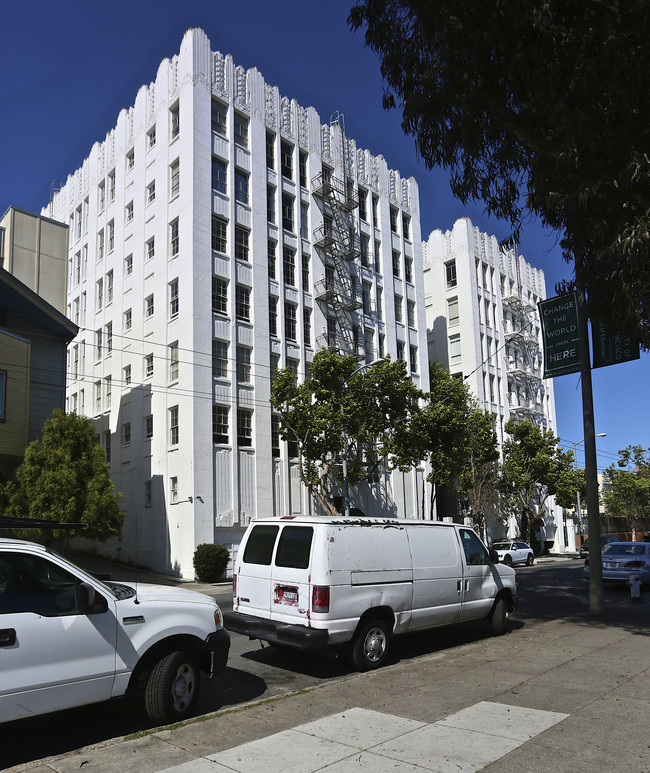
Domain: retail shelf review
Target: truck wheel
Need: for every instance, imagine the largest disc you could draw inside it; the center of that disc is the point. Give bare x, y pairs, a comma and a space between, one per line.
370, 645
499, 617
172, 688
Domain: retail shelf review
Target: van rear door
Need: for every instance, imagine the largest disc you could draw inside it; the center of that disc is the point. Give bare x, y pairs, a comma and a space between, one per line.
253, 576
290, 575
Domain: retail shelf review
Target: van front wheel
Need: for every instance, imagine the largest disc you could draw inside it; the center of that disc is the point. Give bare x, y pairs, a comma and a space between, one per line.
370, 645
499, 617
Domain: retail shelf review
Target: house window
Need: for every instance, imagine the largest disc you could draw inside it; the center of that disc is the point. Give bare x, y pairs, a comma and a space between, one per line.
148, 306
219, 176
174, 240
286, 160
290, 321
126, 433
219, 358
243, 302
147, 493
148, 365
241, 187
174, 179
219, 115
270, 204
173, 298
241, 242
126, 371
287, 212
151, 137
128, 265
219, 295
219, 233
175, 121
241, 130
452, 311
151, 248
173, 490
273, 316
151, 192
243, 365
173, 425
270, 150
302, 164
288, 266
270, 251
129, 212
244, 427
450, 273
148, 427
173, 361
219, 424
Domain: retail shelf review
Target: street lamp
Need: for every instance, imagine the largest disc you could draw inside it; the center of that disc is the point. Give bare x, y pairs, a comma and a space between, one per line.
575, 467
346, 492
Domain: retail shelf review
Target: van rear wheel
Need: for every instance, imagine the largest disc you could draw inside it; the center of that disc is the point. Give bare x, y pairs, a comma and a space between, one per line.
370, 645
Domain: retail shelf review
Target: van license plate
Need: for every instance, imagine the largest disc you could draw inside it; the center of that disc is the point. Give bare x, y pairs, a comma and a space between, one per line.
286, 594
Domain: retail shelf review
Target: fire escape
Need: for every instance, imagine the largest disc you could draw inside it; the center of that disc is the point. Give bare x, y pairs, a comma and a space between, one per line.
337, 241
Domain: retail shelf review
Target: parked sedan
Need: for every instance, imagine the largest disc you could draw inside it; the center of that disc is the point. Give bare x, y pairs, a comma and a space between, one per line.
621, 559
605, 539
514, 552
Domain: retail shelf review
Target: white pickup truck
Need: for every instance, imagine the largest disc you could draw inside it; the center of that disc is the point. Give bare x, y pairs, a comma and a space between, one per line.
68, 639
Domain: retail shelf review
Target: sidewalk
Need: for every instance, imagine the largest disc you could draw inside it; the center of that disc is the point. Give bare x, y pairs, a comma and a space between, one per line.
566, 695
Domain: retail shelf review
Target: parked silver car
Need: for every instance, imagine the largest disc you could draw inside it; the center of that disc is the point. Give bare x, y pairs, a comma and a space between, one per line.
604, 540
621, 559
514, 552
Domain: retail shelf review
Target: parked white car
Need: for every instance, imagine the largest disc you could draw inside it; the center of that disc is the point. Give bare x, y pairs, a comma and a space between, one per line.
514, 552
67, 639
316, 583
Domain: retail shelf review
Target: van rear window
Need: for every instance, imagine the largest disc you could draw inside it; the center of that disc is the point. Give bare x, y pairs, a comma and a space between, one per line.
294, 547
259, 546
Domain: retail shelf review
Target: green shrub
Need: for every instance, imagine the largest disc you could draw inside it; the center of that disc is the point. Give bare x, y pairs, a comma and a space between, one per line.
210, 562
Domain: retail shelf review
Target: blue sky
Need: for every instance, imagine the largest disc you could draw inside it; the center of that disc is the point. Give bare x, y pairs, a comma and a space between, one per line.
67, 68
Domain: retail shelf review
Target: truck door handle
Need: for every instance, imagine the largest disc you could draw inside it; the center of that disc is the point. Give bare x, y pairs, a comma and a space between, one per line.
7, 637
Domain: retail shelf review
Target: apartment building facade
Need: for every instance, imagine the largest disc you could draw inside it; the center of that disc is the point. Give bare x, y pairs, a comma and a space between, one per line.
483, 324
218, 232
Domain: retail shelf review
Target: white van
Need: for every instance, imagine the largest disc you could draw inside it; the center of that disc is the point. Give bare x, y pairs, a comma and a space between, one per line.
319, 582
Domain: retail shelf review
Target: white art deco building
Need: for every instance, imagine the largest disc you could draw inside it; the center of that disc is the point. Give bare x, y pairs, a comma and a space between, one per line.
483, 324
218, 232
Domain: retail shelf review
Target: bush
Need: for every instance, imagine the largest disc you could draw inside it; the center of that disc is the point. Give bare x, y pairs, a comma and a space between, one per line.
210, 562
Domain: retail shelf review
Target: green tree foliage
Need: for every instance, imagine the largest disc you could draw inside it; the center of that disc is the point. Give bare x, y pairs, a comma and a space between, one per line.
64, 477
627, 493
210, 561
534, 469
541, 107
370, 411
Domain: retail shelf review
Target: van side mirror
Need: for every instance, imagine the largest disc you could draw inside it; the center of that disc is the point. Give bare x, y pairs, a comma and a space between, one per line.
494, 556
90, 602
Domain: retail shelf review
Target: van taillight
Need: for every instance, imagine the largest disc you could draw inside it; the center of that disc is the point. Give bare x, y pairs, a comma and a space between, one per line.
234, 586
320, 598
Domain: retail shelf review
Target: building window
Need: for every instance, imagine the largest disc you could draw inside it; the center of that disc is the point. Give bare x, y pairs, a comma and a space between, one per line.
129, 212
100, 245
379, 295
363, 212
241, 130
270, 204
286, 160
148, 365
173, 361
130, 160
111, 235
109, 288
219, 295
126, 371
219, 233
377, 256
410, 313
450, 273
111, 186
219, 176
408, 269
151, 192
270, 250
398, 308
454, 349
452, 311
288, 266
148, 427
273, 316
173, 490
305, 273
241, 242
275, 435
393, 220
270, 150
151, 248
126, 433
151, 137
302, 168
366, 289
287, 212
413, 358
396, 263
219, 424
365, 250
174, 241
174, 179
148, 306
98, 396
128, 265
101, 196
173, 425
290, 321
219, 115
108, 391
147, 494
243, 365
304, 220
99, 294
306, 326
173, 298
400, 350
244, 427
109, 337
241, 187
219, 358
175, 121
406, 227
107, 446
243, 302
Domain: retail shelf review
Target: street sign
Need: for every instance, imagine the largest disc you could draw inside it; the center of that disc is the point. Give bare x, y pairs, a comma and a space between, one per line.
559, 318
611, 349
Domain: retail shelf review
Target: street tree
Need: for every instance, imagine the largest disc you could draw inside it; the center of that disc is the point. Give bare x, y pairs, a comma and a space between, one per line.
536, 108
64, 477
627, 493
368, 412
533, 469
